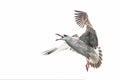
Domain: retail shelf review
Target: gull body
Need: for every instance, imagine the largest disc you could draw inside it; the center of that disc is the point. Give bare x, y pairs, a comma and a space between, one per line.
93, 57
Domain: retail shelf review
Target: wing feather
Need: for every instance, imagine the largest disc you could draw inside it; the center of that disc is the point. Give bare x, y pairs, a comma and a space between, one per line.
81, 18
90, 36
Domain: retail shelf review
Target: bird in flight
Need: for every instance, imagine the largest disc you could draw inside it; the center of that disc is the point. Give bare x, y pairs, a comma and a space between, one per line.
86, 44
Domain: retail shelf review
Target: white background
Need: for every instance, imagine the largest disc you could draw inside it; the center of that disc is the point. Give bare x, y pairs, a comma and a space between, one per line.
28, 27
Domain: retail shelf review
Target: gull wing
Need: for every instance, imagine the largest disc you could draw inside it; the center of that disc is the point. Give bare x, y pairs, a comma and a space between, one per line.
90, 36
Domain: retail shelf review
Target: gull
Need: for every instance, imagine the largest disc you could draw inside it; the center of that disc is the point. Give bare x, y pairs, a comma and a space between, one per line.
89, 38
93, 57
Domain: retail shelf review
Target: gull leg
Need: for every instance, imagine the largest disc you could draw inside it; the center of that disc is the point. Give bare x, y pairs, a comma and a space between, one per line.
87, 65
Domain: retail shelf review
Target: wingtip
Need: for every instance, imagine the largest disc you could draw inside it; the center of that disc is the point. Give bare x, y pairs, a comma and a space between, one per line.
79, 11
47, 52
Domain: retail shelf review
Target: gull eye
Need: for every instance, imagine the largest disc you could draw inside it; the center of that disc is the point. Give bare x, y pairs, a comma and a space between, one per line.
65, 35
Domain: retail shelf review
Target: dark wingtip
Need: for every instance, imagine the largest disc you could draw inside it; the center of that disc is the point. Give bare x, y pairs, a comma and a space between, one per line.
49, 51
78, 11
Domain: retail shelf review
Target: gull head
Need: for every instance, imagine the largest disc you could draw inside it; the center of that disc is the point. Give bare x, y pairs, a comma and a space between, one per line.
63, 37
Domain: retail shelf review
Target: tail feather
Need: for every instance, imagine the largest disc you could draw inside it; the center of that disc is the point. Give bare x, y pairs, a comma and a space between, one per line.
96, 60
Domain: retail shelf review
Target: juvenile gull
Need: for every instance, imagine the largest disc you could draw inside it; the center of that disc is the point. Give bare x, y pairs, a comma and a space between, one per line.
93, 57
89, 38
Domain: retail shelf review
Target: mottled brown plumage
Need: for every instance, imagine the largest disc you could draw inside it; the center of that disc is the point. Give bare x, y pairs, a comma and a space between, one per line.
90, 36
82, 18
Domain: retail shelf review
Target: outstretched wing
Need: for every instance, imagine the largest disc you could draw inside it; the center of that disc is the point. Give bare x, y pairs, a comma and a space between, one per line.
81, 18
90, 36
60, 48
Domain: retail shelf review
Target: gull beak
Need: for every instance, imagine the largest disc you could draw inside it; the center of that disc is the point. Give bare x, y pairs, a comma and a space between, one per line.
60, 36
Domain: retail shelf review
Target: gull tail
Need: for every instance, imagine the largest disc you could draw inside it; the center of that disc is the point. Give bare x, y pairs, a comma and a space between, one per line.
96, 59
47, 52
